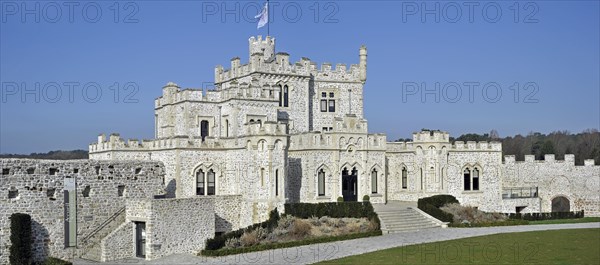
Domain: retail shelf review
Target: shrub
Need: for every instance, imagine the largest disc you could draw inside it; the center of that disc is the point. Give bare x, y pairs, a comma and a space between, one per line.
219, 241
431, 205
471, 214
300, 229
340, 199
547, 216
249, 238
20, 238
366, 198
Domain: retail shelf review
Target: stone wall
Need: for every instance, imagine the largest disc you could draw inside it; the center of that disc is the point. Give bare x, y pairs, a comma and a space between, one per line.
119, 244
172, 225
39, 184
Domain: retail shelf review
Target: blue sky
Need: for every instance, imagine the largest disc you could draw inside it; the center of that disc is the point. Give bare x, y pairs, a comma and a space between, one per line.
547, 52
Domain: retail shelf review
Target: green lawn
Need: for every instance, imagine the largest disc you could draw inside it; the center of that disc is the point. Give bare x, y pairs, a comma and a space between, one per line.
572, 246
566, 221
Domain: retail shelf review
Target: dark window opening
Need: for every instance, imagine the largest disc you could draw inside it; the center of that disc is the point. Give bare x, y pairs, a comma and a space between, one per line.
330, 129
331, 105
280, 95
52, 171
324, 129
467, 178
203, 129
138, 170
404, 178
331, 94
86, 191
30, 170
276, 182
475, 179
519, 209
120, 190
374, 181
51, 193
323, 94
285, 96
12, 194
200, 182
75, 170
97, 170
5, 171
210, 178
321, 182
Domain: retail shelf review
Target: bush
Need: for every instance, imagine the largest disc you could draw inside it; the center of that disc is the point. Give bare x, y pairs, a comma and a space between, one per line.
20, 238
56, 261
219, 241
471, 214
547, 216
300, 229
366, 198
340, 199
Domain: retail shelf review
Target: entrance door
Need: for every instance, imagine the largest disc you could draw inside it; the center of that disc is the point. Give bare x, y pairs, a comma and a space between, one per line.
349, 185
560, 204
140, 239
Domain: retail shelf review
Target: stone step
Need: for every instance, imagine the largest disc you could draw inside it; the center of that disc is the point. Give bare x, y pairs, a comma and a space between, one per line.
403, 219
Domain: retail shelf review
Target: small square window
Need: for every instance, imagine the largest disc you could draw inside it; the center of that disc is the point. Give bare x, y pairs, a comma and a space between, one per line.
331, 94
5, 171
120, 190
323, 94
323, 105
330, 129
324, 129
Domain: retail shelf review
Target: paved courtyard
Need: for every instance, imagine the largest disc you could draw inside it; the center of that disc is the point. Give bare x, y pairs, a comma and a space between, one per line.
333, 250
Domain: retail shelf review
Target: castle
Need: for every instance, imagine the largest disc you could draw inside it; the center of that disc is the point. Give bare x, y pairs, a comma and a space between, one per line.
271, 132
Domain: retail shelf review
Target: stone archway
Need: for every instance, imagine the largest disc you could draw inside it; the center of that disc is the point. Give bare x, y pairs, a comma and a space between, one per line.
561, 204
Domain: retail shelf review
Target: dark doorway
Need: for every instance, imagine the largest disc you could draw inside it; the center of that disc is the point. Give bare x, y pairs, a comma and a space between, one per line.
560, 204
349, 184
140, 239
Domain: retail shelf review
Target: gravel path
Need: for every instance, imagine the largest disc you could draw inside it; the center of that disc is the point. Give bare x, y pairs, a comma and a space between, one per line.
333, 250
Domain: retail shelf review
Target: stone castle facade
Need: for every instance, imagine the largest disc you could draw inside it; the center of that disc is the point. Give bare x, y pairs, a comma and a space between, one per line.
275, 132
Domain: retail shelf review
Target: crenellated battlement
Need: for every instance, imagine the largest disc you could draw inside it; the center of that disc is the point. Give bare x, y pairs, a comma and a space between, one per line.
548, 158
457, 146
431, 136
262, 59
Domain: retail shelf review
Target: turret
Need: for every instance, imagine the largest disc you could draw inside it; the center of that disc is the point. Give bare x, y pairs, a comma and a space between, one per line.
266, 46
362, 54
218, 73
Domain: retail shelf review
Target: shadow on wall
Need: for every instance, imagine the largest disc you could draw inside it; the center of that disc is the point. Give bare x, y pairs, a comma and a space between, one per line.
41, 241
294, 179
222, 225
171, 187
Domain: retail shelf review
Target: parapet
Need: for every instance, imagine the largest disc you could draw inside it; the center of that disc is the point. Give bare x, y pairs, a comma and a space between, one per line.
431, 136
548, 158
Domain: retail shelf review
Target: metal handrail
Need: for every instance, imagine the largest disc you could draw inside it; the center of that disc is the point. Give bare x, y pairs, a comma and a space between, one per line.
520, 192
103, 224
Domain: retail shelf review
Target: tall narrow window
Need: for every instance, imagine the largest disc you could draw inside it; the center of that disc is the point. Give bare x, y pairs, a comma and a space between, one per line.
285, 96
226, 128
203, 129
276, 182
331, 105
280, 95
321, 182
404, 178
200, 182
467, 178
374, 181
324, 105
476, 179
210, 179
262, 177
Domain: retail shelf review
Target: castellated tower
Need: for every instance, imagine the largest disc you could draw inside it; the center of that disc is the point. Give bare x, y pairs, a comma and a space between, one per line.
266, 46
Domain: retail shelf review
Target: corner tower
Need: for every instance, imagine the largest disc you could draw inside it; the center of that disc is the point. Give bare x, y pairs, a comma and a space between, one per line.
258, 45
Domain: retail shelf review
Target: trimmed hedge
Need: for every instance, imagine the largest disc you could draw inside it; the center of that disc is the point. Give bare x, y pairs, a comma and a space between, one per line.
219, 241
56, 261
331, 209
20, 239
232, 251
547, 216
431, 205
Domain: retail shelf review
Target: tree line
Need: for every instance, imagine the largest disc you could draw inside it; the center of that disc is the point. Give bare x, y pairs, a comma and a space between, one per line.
58, 155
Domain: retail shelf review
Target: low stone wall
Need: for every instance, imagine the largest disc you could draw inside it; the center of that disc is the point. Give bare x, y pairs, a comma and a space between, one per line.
119, 244
172, 225
35, 187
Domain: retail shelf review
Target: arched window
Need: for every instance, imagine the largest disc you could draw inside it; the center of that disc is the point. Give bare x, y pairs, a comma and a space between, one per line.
200, 182
475, 179
374, 181
321, 183
467, 178
285, 96
203, 129
404, 178
210, 179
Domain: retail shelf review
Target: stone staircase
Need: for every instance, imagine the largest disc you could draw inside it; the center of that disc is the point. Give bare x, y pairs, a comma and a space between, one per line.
397, 216
91, 248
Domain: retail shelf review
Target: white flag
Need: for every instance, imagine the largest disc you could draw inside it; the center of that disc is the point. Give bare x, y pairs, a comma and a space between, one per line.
263, 17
